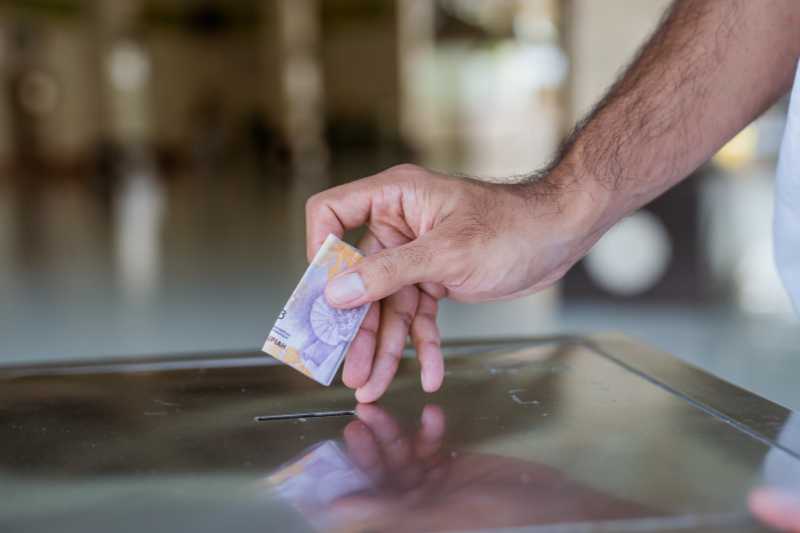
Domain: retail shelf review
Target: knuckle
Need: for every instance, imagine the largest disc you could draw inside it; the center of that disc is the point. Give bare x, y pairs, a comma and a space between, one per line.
404, 169
313, 203
450, 245
434, 343
426, 315
369, 330
385, 267
416, 255
404, 316
393, 355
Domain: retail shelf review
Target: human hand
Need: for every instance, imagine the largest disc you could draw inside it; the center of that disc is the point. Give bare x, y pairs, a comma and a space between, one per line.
776, 508
431, 236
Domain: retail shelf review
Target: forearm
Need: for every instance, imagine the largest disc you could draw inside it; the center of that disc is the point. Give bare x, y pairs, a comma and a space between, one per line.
709, 69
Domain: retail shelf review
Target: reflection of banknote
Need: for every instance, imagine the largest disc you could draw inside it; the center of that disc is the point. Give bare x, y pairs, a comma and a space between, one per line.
315, 481
310, 335
318, 477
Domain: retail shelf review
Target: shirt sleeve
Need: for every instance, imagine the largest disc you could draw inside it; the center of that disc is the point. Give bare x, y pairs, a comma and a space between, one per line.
787, 202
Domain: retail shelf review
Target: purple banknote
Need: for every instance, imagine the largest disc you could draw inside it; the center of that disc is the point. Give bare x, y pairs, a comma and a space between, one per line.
310, 335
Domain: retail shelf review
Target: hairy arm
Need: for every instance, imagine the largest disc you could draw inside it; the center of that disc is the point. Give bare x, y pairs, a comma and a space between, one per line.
710, 68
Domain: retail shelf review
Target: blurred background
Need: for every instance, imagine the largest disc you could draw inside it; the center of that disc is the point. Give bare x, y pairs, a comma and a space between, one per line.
156, 156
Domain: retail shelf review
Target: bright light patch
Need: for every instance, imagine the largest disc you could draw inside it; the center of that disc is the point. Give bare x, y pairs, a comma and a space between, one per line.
128, 67
632, 257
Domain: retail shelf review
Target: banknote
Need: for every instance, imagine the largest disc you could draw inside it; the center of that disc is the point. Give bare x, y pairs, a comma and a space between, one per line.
310, 335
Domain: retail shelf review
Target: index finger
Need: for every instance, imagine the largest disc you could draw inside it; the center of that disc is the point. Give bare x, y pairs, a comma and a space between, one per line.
338, 209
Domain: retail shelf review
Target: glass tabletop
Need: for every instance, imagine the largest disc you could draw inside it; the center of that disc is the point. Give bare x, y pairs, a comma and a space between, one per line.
556, 434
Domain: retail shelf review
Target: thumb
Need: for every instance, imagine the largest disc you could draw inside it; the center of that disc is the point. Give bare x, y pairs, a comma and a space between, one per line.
384, 273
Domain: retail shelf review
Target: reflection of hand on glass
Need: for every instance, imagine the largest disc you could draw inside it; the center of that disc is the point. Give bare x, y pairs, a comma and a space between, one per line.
777, 508
419, 485
400, 465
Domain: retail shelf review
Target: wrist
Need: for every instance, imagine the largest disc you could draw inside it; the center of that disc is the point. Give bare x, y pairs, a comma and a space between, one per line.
581, 207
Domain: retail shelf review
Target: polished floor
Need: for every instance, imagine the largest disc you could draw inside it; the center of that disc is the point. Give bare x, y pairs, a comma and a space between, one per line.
150, 265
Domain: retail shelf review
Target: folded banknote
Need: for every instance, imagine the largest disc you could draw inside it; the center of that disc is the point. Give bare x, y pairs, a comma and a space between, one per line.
310, 335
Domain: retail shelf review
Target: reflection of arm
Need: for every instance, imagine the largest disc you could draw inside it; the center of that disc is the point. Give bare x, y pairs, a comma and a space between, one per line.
481, 491
710, 69
495, 491
418, 486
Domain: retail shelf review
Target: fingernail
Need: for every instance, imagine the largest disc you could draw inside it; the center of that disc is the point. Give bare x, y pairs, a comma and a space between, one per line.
423, 376
362, 396
429, 383
345, 288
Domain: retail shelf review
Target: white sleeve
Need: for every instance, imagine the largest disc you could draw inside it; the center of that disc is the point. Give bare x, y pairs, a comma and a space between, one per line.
787, 202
